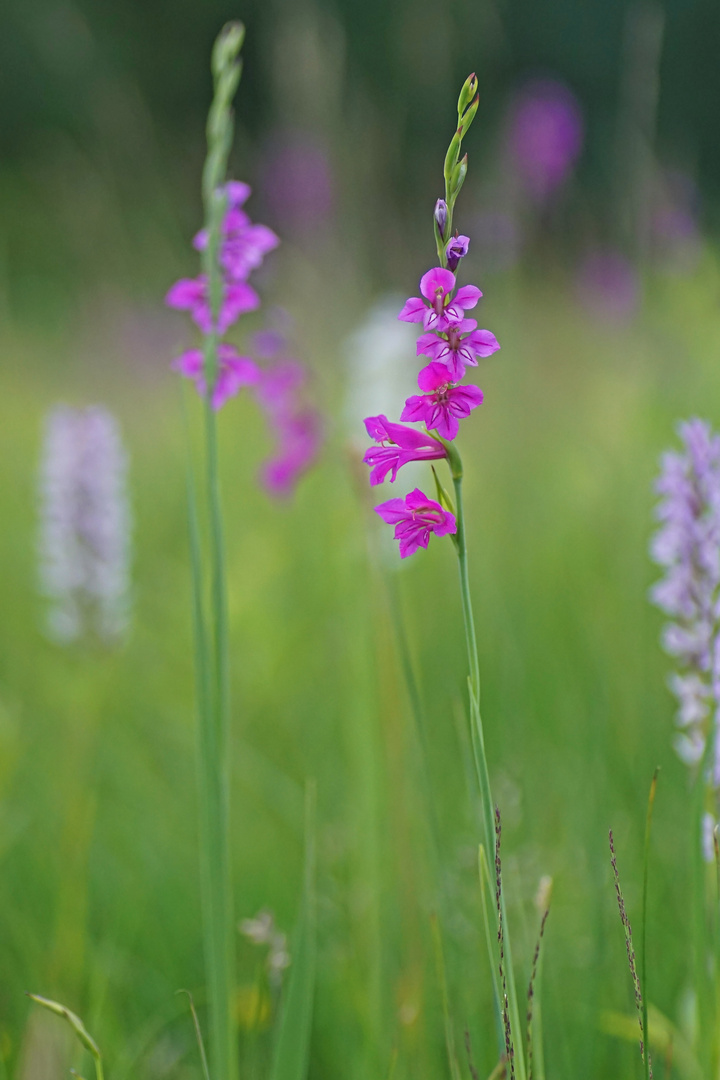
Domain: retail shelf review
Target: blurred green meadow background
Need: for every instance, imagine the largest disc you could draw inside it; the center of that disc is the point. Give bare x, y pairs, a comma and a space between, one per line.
604, 296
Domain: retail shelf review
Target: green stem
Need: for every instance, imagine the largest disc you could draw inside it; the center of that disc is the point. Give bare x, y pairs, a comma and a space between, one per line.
479, 746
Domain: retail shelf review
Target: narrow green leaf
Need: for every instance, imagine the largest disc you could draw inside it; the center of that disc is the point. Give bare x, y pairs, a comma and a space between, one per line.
77, 1025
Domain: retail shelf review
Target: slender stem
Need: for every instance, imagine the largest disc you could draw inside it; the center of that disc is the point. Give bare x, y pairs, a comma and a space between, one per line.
483, 772
643, 938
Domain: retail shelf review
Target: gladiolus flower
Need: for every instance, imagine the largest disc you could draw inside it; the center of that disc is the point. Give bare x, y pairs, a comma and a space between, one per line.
456, 250
398, 445
436, 309
191, 294
443, 405
460, 345
234, 372
415, 517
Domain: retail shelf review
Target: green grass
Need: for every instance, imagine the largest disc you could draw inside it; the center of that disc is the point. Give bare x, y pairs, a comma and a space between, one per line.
98, 842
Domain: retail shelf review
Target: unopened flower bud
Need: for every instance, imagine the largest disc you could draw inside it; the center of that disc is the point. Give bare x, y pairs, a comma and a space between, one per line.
441, 217
456, 250
467, 93
469, 115
457, 177
227, 46
452, 154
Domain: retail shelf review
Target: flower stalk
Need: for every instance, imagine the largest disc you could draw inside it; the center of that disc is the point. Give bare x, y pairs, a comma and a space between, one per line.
212, 634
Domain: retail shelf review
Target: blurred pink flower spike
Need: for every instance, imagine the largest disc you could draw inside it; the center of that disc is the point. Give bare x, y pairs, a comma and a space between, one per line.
460, 345
398, 446
415, 517
244, 245
298, 428
191, 294
300, 438
443, 405
435, 308
234, 372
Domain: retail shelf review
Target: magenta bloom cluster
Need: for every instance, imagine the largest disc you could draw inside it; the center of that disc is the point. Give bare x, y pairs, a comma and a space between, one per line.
450, 342
278, 387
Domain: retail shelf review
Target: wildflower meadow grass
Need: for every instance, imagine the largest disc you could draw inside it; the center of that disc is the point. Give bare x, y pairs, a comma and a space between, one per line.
350, 845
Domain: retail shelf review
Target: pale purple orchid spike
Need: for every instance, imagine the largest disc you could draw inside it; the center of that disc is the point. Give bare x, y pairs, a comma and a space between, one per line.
415, 518
398, 445
85, 525
687, 545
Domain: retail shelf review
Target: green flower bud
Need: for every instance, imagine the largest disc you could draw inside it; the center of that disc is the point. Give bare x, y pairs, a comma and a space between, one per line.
457, 178
467, 93
227, 46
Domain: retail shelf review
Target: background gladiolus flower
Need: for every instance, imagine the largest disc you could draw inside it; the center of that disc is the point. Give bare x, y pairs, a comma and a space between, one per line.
398, 446
545, 136
234, 372
443, 405
191, 294
415, 517
297, 426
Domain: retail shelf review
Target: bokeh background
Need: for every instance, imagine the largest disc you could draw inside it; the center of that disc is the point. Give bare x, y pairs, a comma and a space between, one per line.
592, 207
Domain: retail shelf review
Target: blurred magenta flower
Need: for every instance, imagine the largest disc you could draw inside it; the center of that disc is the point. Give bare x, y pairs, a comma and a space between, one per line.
84, 542
415, 517
458, 346
545, 136
297, 427
399, 445
244, 245
191, 294
443, 404
297, 181
608, 286
235, 371
436, 309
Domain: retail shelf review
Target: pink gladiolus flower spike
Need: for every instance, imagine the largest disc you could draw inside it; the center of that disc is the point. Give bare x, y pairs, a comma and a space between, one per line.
234, 372
443, 405
415, 517
437, 309
460, 345
398, 445
191, 294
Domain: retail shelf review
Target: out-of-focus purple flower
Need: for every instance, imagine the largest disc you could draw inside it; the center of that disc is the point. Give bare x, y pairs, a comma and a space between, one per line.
456, 250
84, 541
398, 445
234, 372
608, 287
443, 404
436, 309
297, 181
687, 545
297, 427
415, 517
243, 247
459, 346
545, 136
191, 294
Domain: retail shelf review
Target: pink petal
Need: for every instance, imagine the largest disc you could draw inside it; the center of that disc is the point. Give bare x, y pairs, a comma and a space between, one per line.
189, 363
435, 279
237, 192
467, 297
483, 342
413, 311
433, 377
392, 511
185, 293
